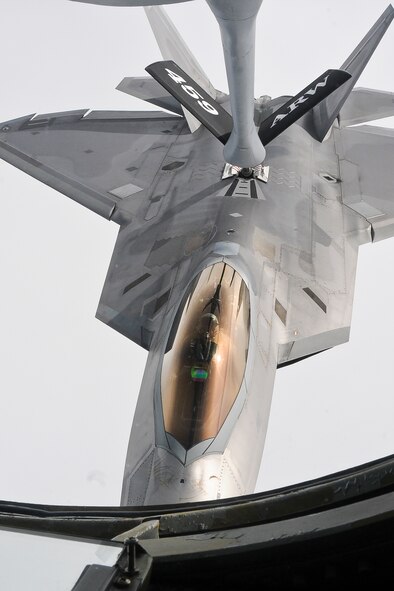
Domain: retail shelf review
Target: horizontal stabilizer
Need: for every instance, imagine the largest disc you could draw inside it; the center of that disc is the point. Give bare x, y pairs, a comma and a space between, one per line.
104, 160
326, 112
300, 104
365, 105
147, 89
194, 98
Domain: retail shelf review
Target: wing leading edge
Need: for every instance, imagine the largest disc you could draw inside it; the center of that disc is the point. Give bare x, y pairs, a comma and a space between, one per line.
327, 111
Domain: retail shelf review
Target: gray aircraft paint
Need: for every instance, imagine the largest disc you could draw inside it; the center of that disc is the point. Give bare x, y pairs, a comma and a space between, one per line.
290, 182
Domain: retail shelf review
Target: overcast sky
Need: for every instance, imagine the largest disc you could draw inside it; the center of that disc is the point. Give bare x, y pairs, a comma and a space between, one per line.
68, 383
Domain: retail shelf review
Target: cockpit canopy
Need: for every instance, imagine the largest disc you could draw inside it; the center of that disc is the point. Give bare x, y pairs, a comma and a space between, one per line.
206, 356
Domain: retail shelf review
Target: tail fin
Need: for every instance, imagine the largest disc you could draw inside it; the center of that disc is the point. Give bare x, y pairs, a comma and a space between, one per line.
173, 47
149, 90
326, 112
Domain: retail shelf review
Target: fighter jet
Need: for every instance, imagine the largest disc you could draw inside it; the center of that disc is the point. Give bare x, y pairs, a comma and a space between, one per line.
240, 221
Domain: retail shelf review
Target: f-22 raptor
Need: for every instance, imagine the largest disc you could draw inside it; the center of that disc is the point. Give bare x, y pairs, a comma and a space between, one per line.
240, 221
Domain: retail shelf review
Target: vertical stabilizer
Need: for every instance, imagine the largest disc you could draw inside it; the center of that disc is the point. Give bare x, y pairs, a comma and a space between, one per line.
173, 47
326, 112
237, 23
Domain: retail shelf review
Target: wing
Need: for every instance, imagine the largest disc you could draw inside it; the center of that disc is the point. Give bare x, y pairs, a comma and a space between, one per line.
366, 156
129, 2
102, 159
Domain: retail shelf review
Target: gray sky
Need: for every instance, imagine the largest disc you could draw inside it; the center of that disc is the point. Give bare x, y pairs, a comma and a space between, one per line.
68, 383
